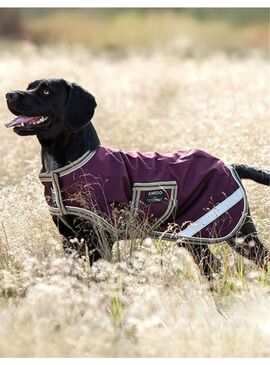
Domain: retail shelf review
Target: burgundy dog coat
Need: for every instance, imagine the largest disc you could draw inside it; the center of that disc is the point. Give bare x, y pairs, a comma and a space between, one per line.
187, 194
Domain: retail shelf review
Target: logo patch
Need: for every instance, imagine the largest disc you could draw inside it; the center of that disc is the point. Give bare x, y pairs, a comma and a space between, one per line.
154, 196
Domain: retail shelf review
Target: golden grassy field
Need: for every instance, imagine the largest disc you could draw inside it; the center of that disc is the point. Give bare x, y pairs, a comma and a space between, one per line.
156, 303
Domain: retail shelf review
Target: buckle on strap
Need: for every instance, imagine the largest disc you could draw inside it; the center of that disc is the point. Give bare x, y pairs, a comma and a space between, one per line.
58, 194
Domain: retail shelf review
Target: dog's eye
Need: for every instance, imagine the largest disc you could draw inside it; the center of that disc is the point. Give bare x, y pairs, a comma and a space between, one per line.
45, 91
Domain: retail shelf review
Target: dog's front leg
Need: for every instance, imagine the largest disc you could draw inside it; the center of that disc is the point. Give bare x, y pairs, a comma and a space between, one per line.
71, 242
80, 239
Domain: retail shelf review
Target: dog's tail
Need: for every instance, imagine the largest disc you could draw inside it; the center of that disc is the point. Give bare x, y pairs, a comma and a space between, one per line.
253, 173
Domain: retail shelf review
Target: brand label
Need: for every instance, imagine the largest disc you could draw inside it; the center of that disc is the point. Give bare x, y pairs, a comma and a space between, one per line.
154, 196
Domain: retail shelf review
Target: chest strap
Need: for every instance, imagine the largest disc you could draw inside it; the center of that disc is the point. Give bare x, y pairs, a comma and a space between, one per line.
58, 195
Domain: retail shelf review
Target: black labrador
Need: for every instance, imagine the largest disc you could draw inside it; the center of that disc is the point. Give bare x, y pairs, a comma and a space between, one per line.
59, 113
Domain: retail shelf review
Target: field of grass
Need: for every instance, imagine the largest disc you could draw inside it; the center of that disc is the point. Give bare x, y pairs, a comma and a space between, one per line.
155, 303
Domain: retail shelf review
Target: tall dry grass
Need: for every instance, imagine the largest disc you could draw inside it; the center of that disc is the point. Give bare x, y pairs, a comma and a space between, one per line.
154, 303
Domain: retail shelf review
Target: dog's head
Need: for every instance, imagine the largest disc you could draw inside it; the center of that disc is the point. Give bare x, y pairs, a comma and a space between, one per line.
48, 107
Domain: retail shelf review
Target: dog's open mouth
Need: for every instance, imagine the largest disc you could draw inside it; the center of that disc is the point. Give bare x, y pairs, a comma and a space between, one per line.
23, 121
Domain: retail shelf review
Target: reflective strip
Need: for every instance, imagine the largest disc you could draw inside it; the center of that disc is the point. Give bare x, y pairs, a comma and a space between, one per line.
58, 195
212, 215
71, 167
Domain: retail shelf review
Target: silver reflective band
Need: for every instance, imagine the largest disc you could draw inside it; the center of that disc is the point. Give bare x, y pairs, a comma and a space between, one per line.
213, 214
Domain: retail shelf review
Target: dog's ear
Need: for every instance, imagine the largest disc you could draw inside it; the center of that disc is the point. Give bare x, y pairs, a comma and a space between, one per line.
33, 84
80, 106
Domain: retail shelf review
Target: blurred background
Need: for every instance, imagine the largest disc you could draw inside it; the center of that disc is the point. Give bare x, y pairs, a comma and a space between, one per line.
193, 31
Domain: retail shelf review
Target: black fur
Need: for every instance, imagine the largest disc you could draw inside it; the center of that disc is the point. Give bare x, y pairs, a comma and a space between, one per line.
252, 173
79, 108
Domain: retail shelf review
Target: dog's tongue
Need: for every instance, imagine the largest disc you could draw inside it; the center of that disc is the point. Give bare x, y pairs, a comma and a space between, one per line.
21, 120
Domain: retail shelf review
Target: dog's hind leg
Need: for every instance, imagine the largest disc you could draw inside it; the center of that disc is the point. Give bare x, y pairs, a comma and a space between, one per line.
248, 245
208, 263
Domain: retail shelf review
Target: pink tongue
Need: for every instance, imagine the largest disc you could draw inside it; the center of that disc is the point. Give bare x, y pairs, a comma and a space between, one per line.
21, 119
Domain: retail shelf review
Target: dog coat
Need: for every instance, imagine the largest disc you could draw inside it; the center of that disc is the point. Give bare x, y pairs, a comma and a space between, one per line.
186, 194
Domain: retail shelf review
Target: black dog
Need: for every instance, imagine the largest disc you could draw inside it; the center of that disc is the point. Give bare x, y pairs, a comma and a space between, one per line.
59, 114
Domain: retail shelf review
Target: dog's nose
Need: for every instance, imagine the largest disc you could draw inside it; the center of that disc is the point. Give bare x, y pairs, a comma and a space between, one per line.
12, 96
